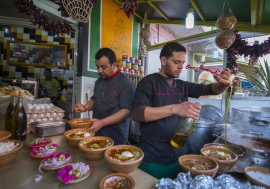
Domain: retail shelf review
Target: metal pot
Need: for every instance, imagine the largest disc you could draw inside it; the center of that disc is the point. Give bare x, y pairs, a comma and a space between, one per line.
255, 120
202, 134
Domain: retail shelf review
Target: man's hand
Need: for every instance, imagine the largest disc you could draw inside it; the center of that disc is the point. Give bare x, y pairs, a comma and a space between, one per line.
224, 77
96, 125
187, 109
79, 107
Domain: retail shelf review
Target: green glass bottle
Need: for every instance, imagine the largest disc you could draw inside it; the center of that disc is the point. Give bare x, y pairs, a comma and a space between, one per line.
19, 121
9, 113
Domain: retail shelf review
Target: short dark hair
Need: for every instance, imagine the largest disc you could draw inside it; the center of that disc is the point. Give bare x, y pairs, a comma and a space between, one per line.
169, 48
107, 52
48, 69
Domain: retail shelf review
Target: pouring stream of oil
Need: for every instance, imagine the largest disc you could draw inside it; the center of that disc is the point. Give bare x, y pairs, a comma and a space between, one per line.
228, 102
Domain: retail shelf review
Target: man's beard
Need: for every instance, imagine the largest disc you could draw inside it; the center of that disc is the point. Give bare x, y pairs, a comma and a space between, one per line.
168, 72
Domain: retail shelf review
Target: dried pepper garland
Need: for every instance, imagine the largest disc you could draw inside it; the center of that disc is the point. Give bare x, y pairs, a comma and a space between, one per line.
41, 20
129, 6
241, 47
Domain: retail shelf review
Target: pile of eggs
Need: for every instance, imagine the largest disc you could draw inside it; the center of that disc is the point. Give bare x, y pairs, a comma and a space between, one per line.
43, 112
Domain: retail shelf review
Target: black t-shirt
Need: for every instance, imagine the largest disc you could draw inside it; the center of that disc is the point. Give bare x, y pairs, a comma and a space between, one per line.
110, 96
154, 91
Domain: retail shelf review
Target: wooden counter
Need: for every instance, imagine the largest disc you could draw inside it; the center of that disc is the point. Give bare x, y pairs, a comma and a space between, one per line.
21, 172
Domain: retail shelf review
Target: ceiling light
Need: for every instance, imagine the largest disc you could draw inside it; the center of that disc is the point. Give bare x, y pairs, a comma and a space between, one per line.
190, 17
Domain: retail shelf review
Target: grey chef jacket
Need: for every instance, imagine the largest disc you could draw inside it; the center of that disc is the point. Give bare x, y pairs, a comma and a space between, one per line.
110, 96
154, 91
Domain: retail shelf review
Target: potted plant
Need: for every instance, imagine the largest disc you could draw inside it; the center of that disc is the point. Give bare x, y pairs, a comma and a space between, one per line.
262, 81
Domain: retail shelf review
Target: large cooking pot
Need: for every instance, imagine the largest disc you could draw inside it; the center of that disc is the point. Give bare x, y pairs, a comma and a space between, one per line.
202, 134
255, 120
257, 148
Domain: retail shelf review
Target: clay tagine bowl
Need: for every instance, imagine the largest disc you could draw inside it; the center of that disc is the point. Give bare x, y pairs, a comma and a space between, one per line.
4, 134
80, 123
117, 180
198, 165
74, 136
7, 157
124, 158
235, 149
93, 148
226, 159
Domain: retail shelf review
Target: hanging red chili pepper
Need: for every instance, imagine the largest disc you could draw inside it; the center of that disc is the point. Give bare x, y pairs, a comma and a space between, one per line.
129, 6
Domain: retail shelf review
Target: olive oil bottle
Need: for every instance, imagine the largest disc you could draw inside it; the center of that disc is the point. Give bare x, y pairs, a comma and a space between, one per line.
19, 121
9, 113
185, 128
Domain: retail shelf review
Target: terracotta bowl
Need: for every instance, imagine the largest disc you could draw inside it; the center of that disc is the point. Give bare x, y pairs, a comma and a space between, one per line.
74, 141
200, 159
80, 123
235, 149
224, 165
4, 134
259, 176
127, 165
99, 144
115, 180
7, 157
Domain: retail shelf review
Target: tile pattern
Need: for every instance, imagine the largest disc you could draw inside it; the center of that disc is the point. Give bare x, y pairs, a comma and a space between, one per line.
31, 35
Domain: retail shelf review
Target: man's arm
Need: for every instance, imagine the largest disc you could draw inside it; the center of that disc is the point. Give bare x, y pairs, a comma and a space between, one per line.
186, 109
116, 117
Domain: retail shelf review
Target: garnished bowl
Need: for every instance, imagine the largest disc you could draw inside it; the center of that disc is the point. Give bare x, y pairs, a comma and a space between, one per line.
74, 136
198, 165
226, 159
93, 148
7, 157
114, 180
235, 149
80, 123
124, 158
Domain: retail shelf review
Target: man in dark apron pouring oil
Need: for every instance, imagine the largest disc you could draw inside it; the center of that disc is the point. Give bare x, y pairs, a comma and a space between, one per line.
160, 101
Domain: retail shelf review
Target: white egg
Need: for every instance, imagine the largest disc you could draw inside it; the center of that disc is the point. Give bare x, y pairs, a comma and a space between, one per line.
31, 120
60, 114
51, 104
54, 114
30, 107
127, 154
47, 106
42, 106
34, 115
34, 105
41, 115
57, 118
48, 114
28, 115
38, 119
37, 107
44, 119
50, 118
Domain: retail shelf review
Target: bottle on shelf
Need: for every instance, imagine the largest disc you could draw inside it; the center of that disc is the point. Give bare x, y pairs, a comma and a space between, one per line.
9, 113
183, 131
19, 121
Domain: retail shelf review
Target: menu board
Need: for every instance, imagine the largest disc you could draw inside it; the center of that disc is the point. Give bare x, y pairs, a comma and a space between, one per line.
36, 54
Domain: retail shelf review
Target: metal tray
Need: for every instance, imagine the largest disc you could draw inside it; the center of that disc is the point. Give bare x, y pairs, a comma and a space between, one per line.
49, 128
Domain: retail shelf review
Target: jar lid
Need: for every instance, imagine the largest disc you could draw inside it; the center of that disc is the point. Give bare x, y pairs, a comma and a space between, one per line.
213, 113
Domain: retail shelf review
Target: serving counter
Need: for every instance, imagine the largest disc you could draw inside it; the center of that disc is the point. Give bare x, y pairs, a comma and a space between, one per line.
21, 172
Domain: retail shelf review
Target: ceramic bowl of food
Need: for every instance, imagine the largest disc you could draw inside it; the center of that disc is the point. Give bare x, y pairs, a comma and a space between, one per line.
80, 123
9, 150
74, 136
258, 176
117, 180
93, 148
124, 158
235, 149
198, 165
226, 159
4, 134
